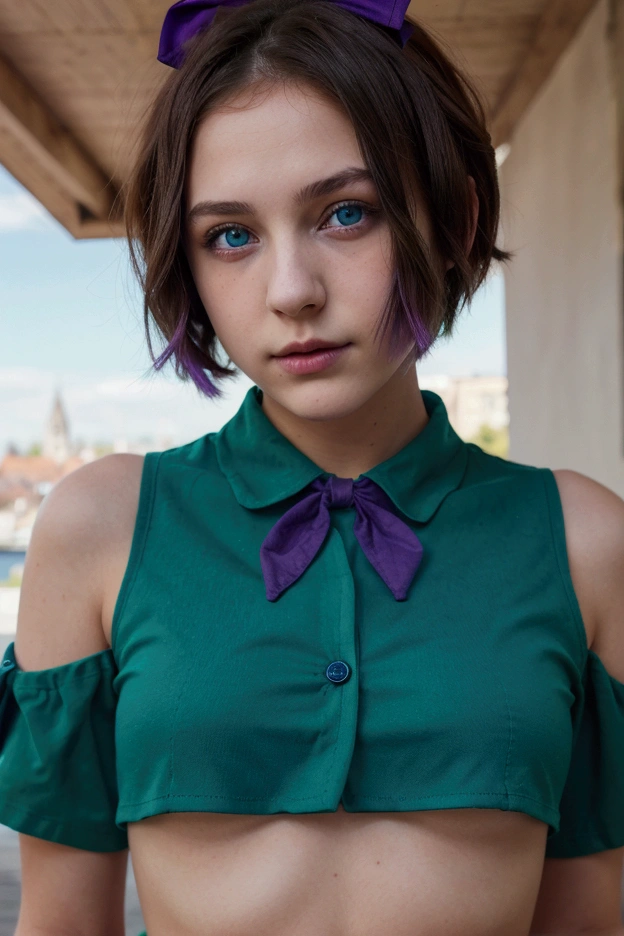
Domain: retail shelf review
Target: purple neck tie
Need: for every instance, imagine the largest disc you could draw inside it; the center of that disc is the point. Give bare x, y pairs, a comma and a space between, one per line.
391, 547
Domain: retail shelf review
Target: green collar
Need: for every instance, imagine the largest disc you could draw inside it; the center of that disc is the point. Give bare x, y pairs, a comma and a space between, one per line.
263, 467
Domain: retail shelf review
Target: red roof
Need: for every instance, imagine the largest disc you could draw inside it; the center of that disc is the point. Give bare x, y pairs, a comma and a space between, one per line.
36, 468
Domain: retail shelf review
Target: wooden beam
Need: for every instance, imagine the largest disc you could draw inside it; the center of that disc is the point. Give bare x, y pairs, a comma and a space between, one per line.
44, 188
556, 29
45, 157
99, 229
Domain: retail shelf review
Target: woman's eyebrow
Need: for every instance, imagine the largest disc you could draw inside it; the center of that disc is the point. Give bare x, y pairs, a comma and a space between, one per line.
319, 189
332, 184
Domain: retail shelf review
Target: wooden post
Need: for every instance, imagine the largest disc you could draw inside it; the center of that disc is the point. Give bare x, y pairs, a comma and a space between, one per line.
616, 44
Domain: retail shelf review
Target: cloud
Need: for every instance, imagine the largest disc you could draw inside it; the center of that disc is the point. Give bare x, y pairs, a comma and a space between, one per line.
23, 378
19, 211
132, 388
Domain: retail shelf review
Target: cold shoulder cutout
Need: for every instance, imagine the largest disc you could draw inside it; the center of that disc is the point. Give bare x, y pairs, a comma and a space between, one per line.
57, 752
592, 805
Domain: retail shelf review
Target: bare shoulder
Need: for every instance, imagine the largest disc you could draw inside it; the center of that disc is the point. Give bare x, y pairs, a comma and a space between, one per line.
82, 529
594, 523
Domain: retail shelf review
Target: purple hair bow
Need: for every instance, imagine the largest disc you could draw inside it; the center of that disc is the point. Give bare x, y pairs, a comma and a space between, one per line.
391, 547
188, 17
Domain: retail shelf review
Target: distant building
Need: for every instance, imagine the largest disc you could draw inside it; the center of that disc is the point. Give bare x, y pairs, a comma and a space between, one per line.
26, 479
471, 402
56, 440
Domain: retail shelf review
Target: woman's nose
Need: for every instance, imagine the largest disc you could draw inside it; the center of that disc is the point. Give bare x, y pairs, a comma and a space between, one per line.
295, 286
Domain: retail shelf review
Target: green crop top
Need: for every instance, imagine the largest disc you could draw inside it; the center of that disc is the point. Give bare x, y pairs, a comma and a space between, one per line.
478, 690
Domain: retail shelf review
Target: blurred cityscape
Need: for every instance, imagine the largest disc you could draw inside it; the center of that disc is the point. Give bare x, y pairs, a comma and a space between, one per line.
477, 408
27, 476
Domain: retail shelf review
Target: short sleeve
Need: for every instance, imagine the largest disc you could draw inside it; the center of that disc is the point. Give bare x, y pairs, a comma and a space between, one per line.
57, 752
592, 805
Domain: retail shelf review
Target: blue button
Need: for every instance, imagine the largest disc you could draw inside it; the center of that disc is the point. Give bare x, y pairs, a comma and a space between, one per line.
338, 671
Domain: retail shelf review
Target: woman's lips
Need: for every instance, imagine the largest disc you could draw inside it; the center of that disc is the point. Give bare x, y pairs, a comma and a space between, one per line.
312, 361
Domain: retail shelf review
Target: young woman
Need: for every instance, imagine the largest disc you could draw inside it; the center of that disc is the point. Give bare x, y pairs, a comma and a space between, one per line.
331, 671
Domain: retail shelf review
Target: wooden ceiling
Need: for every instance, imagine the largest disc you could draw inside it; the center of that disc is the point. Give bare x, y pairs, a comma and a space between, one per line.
76, 77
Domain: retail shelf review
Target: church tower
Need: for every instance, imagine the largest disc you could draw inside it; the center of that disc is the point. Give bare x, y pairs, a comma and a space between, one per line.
56, 443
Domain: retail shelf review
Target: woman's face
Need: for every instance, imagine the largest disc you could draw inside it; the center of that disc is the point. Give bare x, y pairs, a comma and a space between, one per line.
287, 243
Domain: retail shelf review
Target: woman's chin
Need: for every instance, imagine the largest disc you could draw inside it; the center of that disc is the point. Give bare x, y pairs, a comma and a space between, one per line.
320, 400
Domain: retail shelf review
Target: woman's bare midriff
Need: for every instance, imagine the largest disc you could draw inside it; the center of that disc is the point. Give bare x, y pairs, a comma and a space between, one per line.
452, 872
474, 872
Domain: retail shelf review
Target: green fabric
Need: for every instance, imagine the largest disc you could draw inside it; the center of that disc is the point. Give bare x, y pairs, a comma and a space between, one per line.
57, 752
477, 691
592, 806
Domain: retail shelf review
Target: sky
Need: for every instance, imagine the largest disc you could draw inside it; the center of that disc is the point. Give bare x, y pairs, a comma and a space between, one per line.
70, 318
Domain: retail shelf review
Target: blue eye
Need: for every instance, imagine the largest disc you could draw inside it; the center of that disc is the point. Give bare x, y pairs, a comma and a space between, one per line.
349, 214
229, 237
232, 238
236, 237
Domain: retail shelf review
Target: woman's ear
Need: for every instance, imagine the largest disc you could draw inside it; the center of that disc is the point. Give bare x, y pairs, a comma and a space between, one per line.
475, 219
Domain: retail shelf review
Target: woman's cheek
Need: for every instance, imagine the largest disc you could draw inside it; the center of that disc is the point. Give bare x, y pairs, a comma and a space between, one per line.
362, 285
222, 293
236, 321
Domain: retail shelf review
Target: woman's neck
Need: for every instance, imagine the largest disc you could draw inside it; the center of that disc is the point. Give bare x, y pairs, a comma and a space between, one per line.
353, 444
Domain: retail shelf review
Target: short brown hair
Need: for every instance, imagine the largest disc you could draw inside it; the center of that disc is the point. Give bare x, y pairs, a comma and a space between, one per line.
421, 128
